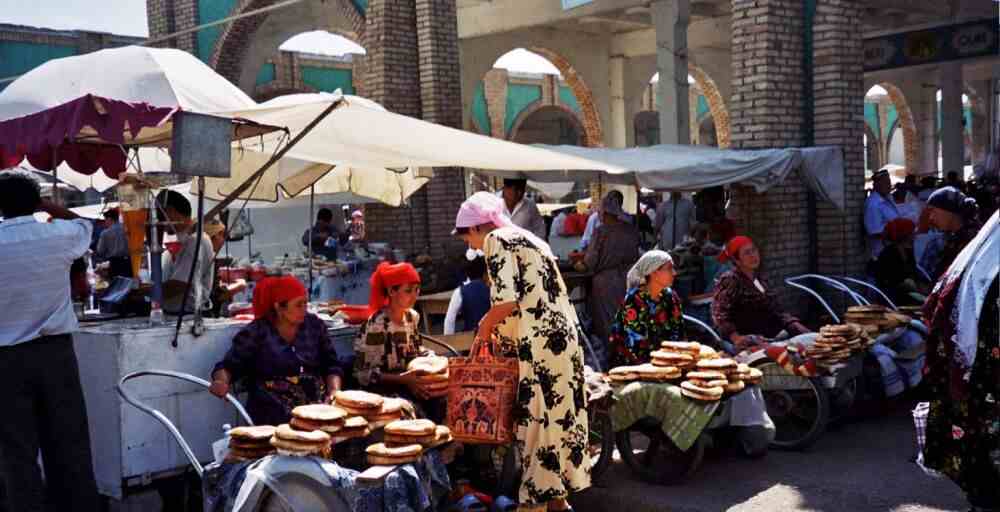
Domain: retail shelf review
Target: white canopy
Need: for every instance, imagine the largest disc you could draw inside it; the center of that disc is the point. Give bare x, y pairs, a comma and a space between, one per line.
692, 168
161, 77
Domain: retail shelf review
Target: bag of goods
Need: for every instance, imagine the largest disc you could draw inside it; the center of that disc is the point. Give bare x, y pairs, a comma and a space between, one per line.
481, 394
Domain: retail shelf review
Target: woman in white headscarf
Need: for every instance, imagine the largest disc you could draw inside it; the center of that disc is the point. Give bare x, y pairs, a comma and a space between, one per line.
963, 371
650, 314
532, 319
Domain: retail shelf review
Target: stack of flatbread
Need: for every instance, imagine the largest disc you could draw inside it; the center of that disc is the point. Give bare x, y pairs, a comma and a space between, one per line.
289, 441
354, 427
327, 418
432, 372
249, 443
875, 318
836, 343
391, 410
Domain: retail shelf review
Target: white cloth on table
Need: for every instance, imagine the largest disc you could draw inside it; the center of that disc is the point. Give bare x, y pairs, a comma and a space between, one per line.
35, 258
748, 409
878, 212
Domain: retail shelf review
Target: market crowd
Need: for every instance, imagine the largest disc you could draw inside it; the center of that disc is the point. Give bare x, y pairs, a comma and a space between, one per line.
927, 241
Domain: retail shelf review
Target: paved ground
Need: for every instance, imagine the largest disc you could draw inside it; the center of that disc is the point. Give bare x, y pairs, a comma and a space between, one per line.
859, 467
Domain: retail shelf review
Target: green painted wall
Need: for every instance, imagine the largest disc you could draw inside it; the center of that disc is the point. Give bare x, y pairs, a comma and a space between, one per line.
566, 97
209, 11
702, 110
519, 96
327, 79
266, 74
480, 112
871, 118
17, 58
361, 5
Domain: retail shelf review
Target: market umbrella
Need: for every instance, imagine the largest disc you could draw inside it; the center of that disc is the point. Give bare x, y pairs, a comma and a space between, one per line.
84, 109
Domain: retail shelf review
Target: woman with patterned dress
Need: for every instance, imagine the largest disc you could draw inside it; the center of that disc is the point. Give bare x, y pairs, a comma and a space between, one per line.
650, 314
284, 355
532, 319
390, 339
963, 371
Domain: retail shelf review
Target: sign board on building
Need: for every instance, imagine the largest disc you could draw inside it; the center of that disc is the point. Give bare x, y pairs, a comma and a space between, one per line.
939, 44
569, 4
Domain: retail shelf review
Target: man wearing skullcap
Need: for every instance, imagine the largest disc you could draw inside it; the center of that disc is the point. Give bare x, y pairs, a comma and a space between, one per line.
879, 210
523, 212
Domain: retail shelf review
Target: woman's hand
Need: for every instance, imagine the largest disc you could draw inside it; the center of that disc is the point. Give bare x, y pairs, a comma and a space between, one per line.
219, 388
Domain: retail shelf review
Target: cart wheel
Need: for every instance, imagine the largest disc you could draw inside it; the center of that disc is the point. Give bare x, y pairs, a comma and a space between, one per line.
798, 406
654, 457
843, 398
601, 444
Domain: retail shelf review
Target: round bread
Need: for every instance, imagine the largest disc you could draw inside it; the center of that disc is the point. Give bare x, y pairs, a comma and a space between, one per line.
755, 376
685, 347
287, 433
397, 440
382, 450
363, 412
706, 375
724, 364
708, 383
830, 339
359, 400
623, 373
700, 396
442, 432
433, 378
306, 425
392, 405
384, 419
355, 423
412, 428
321, 413
668, 356
245, 453
249, 446
378, 460
709, 392
623, 378
734, 387
346, 435
428, 365
298, 447
261, 433
707, 352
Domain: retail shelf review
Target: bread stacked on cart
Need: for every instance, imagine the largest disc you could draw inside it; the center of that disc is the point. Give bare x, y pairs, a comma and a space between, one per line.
249, 443
835, 343
875, 318
300, 443
703, 374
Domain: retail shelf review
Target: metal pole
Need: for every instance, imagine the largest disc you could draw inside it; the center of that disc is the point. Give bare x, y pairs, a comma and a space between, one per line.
274, 159
312, 200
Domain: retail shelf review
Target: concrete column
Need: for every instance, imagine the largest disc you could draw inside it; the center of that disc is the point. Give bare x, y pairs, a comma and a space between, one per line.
923, 106
980, 120
952, 140
618, 136
671, 17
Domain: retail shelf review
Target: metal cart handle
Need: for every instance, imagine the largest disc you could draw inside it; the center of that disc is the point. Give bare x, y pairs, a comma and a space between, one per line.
704, 326
440, 343
791, 282
871, 286
162, 418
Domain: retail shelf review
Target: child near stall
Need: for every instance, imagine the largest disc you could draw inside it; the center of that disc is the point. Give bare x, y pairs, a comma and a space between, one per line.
389, 340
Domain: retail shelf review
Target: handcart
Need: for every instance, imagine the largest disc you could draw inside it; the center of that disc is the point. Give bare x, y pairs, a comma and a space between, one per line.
654, 455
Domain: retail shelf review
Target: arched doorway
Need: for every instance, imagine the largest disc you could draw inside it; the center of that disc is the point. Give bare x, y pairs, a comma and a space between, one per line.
525, 81
707, 112
548, 124
888, 116
315, 61
246, 44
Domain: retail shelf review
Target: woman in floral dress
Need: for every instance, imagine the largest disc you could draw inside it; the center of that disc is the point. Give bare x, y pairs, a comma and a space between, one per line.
963, 372
531, 318
650, 314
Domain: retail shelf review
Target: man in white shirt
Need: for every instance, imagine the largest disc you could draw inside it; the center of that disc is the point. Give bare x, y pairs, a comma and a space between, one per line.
112, 246
522, 211
674, 219
879, 210
178, 212
42, 399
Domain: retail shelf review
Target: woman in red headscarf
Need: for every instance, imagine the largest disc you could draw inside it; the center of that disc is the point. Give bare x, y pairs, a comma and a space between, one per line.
390, 339
284, 355
743, 309
896, 268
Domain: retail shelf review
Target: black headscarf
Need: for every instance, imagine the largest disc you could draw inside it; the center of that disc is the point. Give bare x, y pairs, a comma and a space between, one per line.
950, 199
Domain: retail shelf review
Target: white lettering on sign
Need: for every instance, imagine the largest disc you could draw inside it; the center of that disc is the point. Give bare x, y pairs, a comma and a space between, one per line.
973, 40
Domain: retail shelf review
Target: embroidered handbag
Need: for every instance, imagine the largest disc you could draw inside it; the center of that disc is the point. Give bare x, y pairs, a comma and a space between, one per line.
481, 392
